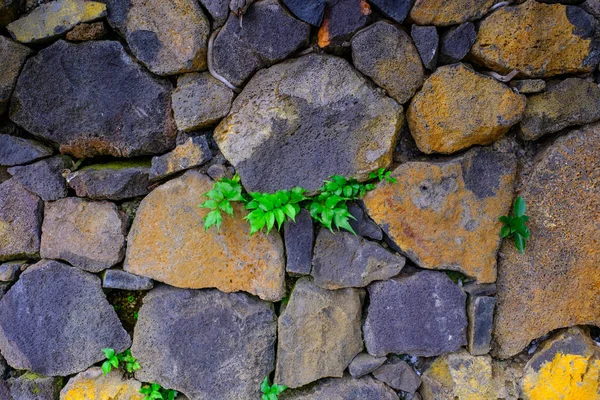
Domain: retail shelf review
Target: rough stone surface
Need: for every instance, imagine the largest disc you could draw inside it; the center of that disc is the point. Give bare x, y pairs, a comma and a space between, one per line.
128, 112
387, 55
342, 19
427, 41
480, 310
30, 386
422, 314
310, 11
92, 384
346, 388
268, 35
311, 330
13, 58
314, 111
44, 177
200, 101
445, 12
444, 215
20, 221
538, 40
235, 331
75, 315
455, 43
394, 9
299, 240
193, 153
84, 32
167, 243
592, 7
9, 272
111, 181
342, 259
218, 10
571, 102
561, 282
9, 11
15, 150
119, 279
363, 225
363, 364
49, 21
167, 37
87, 234
527, 86
458, 108
398, 375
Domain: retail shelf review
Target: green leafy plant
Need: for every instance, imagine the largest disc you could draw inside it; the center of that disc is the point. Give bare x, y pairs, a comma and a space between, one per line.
155, 391
382, 174
219, 200
268, 208
514, 225
270, 392
113, 360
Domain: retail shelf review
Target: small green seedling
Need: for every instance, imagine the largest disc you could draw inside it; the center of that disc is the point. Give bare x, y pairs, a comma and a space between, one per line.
382, 174
270, 392
113, 360
220, 197
268, 208
514, 225
155, 391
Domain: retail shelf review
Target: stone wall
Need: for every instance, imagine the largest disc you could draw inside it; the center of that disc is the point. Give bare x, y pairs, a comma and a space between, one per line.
116, 117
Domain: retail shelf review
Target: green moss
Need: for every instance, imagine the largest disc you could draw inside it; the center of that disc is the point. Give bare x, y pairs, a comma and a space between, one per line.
116, 165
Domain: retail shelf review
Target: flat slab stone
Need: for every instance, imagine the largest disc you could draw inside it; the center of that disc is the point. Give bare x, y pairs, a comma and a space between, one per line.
364, 363
87, 234
44, 177
345, 388
78, 321
136, 122
359, 136
561, 284
394, 9
456, 42
310, 11
119, 279
15, 150
192, 153
299, 241
427, 40
92, 384
422, 314
445, 13
13, 58
342, 19
319, 334
235, 331
398, 375
167, 243
480, 310
167, 37
444, 215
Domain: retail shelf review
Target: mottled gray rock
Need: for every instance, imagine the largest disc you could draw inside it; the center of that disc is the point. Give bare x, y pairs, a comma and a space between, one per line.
4, 286
342, 19
422, 314
31, 386
346, 388
398, 375
55, 320
192, 153
4, 391
394, 9
10, 10
311, 330
303, 120
342, 259
268, 35
592, 7
427, 41
480, 310
44, 177
104, 104
119, 279
387, 55
475, 289
167, 37
362, 224
299, 240
111, 181
224, 342
200, 100
15, 150
455, 43
571, 102
87, 234
3, 365
218, 10
310, 11
13, 58
20, 221
218, 172
526, 86
10, 270
364, 363
88, 31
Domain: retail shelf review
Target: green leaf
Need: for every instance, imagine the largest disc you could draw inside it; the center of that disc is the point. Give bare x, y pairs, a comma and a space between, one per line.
340, 180
257, 220
277, 389
505, 231
327, 218
265, 397
505, 220
519, 242
520, 207
270, 218
108, 352
264, 386
348, 191
516, 225
342, 222
145, 390
225, 205
279, 217
290, 211
114, 361
106, 367
215, 194
332, 201
212, 204
213, 218
265, 203
272, 396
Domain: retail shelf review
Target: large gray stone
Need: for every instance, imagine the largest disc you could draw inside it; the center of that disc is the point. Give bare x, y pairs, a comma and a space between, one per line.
103, 104
4, 391
31, 386
299, 240
267, 35
20, 221
55, 320
303, 120
346, 388
167, 37
421, 314
319, 333
13, 58
111, 181
342, 259
44, 177
15, 150
204, 343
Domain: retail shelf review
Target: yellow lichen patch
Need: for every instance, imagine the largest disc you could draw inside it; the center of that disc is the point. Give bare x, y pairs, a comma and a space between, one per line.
92, 385
448, 12
538, 40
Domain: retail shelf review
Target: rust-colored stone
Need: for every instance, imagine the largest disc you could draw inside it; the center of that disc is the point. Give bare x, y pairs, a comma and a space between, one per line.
448, 12
168, 243
92, 385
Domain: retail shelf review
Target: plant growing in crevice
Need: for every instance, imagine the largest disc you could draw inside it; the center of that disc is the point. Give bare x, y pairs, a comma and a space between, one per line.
113, 360
270, 392
514, 225
219, 200
155, 391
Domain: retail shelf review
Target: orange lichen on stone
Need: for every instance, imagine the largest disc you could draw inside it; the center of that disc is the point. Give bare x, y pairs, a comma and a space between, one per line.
323, 37
92, 385
448, 12
538, 40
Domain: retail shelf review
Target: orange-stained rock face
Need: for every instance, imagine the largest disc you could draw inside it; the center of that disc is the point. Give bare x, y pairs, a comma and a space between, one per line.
93, 385
445, 215
448, 12
557, 281
167, 242
458, 108
538, 40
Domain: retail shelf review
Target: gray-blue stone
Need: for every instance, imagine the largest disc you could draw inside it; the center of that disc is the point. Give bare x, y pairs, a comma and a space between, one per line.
427, 41
16, 151
119, 279
45, 177
456, 43
299, 241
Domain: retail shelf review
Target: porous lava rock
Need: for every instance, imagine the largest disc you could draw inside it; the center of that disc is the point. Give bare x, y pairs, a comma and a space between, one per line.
448, 12
13, 58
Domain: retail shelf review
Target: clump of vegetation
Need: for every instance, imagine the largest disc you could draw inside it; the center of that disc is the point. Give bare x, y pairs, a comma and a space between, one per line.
329, 207
154, 391
113, 360
514, 225
270, 392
